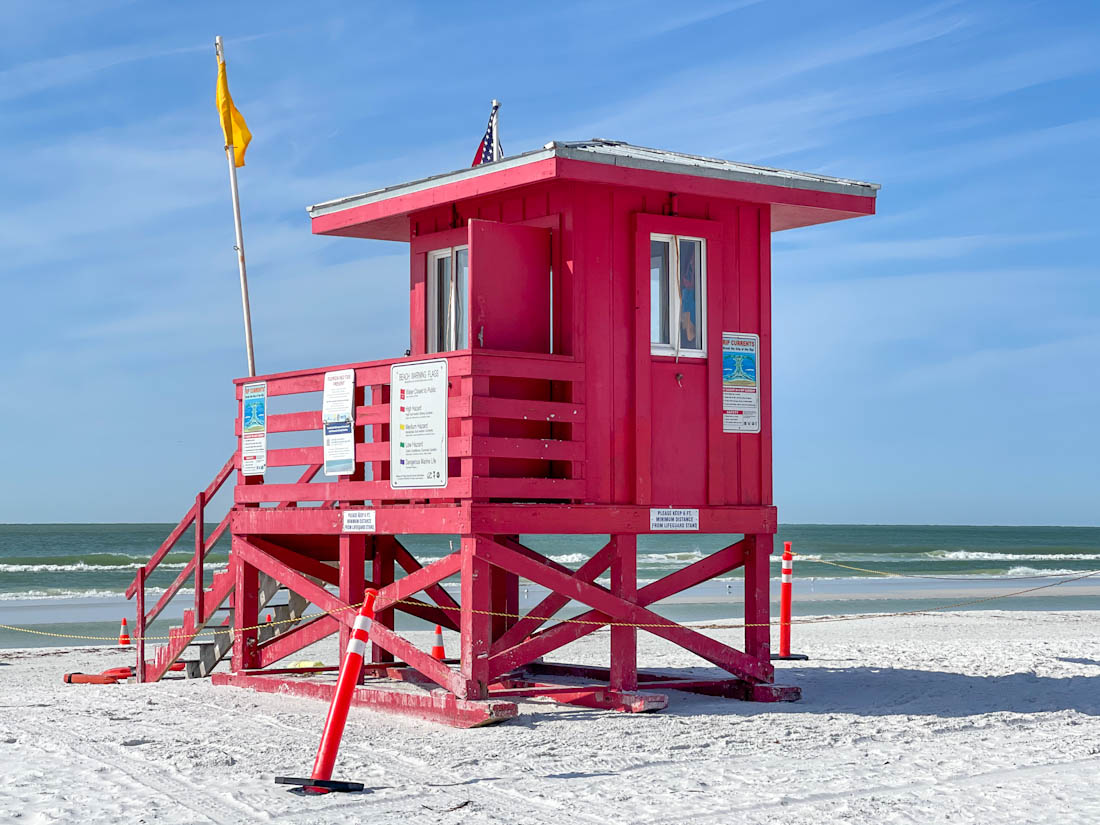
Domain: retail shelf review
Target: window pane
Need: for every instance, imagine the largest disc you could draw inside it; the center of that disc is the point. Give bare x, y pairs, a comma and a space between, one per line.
658, 292
462, 267
691, 335
442, 288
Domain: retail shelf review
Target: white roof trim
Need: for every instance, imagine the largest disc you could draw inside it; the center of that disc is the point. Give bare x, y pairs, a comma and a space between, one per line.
616, 153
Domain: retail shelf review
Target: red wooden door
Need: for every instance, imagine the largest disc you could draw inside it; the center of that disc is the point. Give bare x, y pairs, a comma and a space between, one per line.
510, 301
678, 373
509, 287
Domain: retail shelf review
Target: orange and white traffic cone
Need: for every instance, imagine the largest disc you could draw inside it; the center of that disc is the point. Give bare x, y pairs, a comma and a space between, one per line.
785, 598
123, 634
438, 651
321, 781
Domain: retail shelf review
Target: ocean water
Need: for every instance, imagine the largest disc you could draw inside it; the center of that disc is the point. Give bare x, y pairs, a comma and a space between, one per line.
76, 574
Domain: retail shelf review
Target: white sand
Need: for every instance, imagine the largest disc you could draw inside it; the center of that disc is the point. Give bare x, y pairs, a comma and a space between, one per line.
981, 717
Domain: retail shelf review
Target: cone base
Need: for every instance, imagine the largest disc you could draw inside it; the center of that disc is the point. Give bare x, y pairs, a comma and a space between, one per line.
319, 786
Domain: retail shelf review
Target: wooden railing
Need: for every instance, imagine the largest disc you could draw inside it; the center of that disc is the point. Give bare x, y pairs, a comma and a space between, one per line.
515, 432
203, 544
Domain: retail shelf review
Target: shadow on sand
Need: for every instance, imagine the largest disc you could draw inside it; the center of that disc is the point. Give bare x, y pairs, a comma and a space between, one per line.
875, 691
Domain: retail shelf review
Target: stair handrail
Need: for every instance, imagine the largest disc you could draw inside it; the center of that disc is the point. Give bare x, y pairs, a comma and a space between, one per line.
187, 520
195, 516
202, 546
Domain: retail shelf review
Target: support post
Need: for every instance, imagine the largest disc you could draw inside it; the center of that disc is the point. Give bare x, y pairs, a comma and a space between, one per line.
505, 597
353, 551
757, 606
200, 552
624, 640
139, 625
382, 574
475, 621
246, 612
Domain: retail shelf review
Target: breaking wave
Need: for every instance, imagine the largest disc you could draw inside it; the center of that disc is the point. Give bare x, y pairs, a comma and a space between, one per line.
980, 555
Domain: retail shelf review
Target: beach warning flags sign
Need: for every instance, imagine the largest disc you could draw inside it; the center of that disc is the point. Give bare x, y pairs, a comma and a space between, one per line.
233, 125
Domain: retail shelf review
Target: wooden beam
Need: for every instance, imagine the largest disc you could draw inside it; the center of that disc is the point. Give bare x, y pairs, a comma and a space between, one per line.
436, 706
353, 553
564, 632
346, 491
506, 519
305, 478
283, 645
476, 625
563, 412
436, 592
405, 651
248, 552
716, 564
624, 640
614, 608
540, 613
246, 608
164, 548
757, 591
301, 563
418, 580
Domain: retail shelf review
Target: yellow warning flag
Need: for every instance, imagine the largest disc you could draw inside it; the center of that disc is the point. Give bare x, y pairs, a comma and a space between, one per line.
233, 125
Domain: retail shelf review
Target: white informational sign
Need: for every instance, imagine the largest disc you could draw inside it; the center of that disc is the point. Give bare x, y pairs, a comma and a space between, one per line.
338, 421
358, 521
254, 429
418, 424
673, 518
740, 382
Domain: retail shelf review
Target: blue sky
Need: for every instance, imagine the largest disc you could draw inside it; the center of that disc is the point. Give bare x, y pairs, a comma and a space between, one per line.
937, 363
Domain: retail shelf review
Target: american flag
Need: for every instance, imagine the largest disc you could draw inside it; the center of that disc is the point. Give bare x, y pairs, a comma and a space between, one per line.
489, 148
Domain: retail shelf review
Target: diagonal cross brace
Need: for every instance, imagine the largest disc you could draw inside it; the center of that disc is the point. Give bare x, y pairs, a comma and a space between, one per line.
385, 638
610, 608
560, 634
448, 606
554, 602
299, 583
419, 579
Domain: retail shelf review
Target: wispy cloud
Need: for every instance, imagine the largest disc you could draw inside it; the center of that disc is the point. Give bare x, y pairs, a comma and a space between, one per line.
792, 254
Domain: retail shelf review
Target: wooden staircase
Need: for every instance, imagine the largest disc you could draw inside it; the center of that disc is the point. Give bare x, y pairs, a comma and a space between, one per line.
208, 650
204, 642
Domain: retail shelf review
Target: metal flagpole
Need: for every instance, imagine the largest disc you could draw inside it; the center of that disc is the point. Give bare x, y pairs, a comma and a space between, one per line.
229, 155
496, 132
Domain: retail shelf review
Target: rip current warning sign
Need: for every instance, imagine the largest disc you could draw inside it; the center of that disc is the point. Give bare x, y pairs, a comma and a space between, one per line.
740, 382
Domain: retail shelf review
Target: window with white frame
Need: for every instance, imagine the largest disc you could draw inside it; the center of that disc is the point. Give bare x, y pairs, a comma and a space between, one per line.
448, 271
677, 295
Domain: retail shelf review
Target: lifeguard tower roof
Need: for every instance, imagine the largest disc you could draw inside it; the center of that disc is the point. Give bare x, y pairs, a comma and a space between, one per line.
797, 198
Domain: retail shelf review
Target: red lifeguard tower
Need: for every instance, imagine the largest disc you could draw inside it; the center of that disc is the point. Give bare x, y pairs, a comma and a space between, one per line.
590, 328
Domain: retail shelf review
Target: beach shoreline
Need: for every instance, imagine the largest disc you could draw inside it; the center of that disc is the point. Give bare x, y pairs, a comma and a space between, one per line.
981, 716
